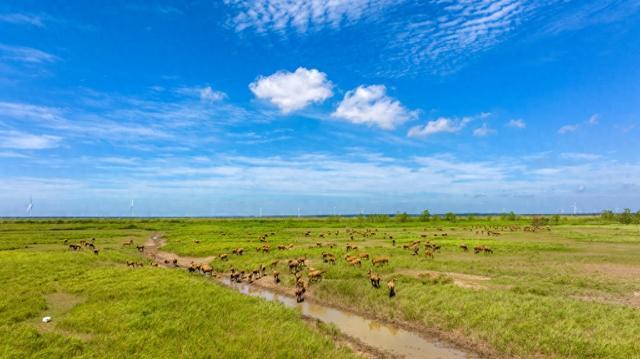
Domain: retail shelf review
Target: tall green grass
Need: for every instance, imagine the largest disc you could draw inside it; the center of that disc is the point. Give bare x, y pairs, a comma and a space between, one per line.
143, 312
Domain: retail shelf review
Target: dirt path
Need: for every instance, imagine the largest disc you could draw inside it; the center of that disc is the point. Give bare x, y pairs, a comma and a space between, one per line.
152, 250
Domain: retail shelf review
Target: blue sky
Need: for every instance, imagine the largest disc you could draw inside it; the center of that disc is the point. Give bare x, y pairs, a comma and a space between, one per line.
342, 106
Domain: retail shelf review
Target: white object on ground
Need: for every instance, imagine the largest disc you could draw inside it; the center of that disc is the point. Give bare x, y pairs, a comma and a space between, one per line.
46, 319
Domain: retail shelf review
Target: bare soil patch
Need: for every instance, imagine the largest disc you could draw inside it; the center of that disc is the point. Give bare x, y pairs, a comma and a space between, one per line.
152, 249
58, 305
611, 270
461, 280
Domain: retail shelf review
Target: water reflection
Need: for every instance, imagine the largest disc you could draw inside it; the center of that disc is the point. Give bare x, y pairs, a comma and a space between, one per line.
382, 336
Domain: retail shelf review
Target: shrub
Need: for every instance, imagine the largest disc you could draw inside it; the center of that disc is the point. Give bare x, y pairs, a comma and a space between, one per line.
539, 221
511, 216
402, 217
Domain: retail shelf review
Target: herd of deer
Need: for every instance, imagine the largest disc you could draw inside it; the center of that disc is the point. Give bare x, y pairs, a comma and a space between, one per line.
298, 266
90, 244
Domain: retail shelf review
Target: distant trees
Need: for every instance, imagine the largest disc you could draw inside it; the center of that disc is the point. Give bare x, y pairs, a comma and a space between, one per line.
379, 218
608, 215
402, 217
537, 222
425, 216
626, 217
511, 216
450, 217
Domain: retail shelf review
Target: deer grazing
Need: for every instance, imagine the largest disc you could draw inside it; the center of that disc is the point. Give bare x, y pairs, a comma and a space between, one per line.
374, 278
314, 275
392, 288
378, 261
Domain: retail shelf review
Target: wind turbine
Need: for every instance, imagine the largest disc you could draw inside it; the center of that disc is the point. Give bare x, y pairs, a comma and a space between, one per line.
131, 208
298, 212
575, 209
30, 206
260, 212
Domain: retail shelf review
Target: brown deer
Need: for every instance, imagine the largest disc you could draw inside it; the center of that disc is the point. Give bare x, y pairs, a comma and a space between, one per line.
380, 261
375, 279
392, 288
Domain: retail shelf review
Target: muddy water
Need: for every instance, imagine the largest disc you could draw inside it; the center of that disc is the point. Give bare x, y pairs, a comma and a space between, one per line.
381, 336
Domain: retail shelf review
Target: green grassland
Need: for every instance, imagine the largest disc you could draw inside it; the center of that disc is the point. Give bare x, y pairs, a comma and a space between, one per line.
101, 308
571, 291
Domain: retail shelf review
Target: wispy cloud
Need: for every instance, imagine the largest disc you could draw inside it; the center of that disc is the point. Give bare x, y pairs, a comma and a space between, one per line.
159, 9
592, 121
27, 141
291, 91
12, 154
370, 105
568, 129
178, 121
517, 123
483, 131
440, 125
22, 19
29, 111
588, 13
206, 93
580, 156
347, 175
25, 54
444, 37
302, 15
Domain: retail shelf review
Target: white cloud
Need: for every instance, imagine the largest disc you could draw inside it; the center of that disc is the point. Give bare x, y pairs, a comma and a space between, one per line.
568, 129
293, 91
517, 123
589, 13
580, 156
20, 19
28, 111
25, 54
12, 154
209, 94
592, 121
343, 179
301, 15
483, 131
26, 141
370, 105
448, 32
440, 125
206, 93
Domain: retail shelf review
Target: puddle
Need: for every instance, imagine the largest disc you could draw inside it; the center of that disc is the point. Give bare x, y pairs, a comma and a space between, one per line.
379, 335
